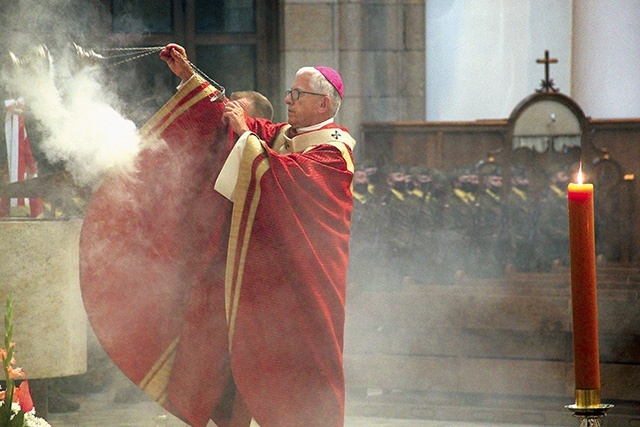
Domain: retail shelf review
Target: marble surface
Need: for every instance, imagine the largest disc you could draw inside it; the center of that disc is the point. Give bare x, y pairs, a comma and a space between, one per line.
40, 264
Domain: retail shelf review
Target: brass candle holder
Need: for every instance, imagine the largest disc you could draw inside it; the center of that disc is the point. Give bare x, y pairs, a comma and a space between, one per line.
589, 408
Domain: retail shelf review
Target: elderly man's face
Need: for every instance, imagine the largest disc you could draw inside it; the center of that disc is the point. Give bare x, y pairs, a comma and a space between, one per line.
304, 111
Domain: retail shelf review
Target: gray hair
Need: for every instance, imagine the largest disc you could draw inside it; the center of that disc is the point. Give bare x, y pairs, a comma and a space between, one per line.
320, 84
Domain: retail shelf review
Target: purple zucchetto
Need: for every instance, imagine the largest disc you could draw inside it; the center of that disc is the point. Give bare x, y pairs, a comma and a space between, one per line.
333, 77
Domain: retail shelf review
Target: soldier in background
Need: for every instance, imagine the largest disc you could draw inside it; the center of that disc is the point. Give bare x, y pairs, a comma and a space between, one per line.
438, 235
491, 244
460, 220
365, 253
397, 226
420, 203
419, 182
376, 184
519, 211
551, 222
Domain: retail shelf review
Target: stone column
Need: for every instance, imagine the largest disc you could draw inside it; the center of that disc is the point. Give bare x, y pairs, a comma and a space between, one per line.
606, 58
378, 47
382, 52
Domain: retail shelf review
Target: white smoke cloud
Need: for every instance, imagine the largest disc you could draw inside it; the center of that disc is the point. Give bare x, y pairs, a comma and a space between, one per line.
82, 126
83, 131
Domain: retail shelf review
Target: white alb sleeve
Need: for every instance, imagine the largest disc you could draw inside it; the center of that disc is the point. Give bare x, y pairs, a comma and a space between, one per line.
228, 177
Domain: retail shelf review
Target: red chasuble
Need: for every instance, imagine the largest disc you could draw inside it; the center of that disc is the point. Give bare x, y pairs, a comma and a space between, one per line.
153, 252
221, 310
286, 280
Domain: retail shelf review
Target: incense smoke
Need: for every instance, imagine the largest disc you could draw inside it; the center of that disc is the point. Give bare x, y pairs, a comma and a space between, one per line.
72, 104
82, 130
74, 117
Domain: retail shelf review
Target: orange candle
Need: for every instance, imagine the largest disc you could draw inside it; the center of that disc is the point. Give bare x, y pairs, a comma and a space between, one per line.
584, 301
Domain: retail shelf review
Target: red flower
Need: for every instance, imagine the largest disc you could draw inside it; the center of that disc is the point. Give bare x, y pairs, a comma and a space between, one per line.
24, 397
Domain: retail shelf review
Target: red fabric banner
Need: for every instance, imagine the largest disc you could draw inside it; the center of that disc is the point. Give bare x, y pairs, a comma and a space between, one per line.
20, 160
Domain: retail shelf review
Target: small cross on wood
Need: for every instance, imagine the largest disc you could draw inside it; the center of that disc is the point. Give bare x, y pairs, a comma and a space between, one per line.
547, 83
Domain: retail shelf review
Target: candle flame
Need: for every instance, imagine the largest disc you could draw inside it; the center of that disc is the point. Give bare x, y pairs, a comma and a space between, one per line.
580, 178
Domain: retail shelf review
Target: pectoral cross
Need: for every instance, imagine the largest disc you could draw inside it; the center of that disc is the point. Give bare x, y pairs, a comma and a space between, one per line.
547, 83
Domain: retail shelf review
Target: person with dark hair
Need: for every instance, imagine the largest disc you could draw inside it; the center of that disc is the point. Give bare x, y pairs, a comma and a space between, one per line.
438, 230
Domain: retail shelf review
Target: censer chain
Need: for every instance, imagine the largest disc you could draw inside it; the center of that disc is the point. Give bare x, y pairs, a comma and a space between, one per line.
139, 52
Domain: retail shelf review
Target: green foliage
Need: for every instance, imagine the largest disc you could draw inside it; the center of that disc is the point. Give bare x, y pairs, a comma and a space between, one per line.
7, 417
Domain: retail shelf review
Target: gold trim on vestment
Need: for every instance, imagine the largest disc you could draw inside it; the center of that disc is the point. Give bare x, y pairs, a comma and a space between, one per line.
281, 139
169, 111
157, 379
253, 149
346, 154
305, 141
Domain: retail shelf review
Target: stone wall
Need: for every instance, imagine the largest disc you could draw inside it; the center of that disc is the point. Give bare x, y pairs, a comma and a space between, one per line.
377, 45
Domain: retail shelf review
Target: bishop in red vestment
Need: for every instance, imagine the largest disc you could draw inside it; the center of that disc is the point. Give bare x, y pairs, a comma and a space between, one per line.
229, 303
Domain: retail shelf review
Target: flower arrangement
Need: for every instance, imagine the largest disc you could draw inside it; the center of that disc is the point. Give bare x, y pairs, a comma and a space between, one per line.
16, 405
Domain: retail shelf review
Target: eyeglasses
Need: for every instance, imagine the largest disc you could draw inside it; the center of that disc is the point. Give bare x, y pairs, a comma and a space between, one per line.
295, 93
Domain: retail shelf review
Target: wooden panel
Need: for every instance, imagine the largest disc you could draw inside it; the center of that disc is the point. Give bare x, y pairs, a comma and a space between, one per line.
478, 309
483, 376
506, 337
438, 342
439, 145
621, 381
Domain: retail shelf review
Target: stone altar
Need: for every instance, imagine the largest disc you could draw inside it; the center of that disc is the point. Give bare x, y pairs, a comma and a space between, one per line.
40, 264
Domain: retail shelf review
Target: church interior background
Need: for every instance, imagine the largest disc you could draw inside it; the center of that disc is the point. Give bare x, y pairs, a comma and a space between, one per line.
453, 313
